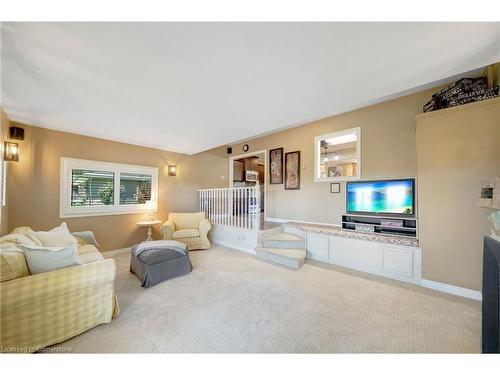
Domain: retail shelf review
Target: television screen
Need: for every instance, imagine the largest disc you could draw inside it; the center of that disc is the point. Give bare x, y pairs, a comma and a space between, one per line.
390, 197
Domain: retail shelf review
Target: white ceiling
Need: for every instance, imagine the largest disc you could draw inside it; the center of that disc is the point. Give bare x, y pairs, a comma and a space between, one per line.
189, 87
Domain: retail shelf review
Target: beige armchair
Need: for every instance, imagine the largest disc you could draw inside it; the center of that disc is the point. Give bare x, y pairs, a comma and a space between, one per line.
189, 228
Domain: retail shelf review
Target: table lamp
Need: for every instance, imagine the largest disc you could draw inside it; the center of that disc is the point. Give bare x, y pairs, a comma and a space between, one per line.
150, 208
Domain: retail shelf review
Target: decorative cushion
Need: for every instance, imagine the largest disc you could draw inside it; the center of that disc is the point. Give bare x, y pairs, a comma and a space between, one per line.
88, 253
17, 239
50, 258
12, 262
28, 232
186, 233
186, 220
86, 238
59, 236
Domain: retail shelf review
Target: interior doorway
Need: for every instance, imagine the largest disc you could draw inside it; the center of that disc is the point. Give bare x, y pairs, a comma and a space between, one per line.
247, 170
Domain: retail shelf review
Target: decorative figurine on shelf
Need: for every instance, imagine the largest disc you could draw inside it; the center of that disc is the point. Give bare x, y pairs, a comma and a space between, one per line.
494, 221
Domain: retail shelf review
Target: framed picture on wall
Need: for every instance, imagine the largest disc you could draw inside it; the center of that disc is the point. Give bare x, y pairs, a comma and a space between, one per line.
292, 170
335, 187
252, 176
276, 166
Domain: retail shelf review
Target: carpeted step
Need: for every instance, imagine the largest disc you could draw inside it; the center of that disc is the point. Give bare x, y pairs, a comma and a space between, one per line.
292, 258
282, 240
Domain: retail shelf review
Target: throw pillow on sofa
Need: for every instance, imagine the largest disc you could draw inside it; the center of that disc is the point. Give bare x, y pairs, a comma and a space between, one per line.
59, 236
17, 239
12, 262
50, 258
28, 232
86, 237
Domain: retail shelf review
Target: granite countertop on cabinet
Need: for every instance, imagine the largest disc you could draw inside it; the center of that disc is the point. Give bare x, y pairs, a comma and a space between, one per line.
331, 230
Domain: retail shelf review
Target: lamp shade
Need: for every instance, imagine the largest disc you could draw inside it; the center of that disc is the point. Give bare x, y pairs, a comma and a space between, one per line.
172, 170
150, 205
11, 151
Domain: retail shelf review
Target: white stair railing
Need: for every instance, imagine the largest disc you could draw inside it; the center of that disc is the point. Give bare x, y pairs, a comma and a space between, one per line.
235, 207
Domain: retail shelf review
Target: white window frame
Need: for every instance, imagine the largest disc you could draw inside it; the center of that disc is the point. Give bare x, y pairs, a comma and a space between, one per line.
317, 155
67, 166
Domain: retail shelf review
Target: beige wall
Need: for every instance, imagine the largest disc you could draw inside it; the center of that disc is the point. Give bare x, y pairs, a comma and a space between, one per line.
388, 150
33, 184
204, 170
4, 214
456, 148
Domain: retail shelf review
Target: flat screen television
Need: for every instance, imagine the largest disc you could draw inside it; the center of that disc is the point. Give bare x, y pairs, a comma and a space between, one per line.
381, 197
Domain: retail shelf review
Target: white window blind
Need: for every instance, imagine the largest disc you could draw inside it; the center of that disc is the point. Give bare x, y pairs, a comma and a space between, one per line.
90, 188
135, 188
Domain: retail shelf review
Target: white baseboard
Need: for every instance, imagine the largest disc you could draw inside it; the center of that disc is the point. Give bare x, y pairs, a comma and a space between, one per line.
235, 247
275, 220
112, 253
452, 289
281, 221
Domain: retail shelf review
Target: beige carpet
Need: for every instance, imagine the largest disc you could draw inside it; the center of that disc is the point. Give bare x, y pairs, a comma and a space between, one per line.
233, 302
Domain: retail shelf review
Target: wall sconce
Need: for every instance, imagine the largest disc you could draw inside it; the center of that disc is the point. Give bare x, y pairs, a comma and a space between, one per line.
16, 133
11, 151
172, 170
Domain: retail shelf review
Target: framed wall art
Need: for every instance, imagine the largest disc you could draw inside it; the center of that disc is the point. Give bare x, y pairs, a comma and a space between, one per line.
276, 166
292, 170
252, 176
335, 187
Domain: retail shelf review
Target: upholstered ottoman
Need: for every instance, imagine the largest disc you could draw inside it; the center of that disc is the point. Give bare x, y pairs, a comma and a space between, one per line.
159, 262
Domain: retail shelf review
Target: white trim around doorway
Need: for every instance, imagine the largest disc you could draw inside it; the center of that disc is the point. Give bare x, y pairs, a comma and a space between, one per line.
230, 174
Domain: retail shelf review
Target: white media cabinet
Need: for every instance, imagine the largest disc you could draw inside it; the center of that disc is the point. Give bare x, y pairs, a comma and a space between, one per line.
393, 257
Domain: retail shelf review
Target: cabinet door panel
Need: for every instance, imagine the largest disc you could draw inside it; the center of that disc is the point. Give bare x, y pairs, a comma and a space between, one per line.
317, 247
357, 254
398, 261
238, 170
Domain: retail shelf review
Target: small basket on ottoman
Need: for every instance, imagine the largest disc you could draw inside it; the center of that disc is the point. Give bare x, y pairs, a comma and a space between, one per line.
157, 261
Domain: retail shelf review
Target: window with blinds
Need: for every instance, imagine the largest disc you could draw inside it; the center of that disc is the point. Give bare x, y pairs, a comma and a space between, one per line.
135, 188
91, 188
